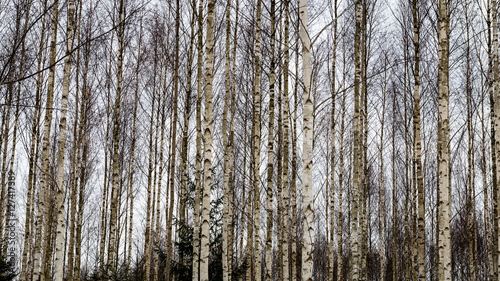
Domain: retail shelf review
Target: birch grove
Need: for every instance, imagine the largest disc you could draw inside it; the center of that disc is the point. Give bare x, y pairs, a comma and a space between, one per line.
249, 140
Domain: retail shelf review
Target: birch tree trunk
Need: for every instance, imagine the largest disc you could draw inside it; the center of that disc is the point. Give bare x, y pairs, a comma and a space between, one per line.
357, 148
61, 224
256, 144
112, 251
418, 150
198, 179
363, 197
227, 82
308, 192
77, 133
444, 270
496, 95
332, 160
207, 176
286, 143
279, 170
295, 272
270, 148
493, 106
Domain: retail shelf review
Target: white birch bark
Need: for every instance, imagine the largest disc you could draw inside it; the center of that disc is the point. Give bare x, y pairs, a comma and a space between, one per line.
308, 192
207, 173
444, 237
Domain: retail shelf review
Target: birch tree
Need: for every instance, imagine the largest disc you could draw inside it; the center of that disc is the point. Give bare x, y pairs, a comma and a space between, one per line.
444, 269
112, 251
308, 192
286, 145
59, 266
270, 148
207, 177
332, 160
256, 142
198, 178
356, 147
227, 86
417, 140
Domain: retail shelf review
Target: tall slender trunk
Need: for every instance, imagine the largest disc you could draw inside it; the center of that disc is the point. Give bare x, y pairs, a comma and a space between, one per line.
494, 164
331, 270
256, 144
112, 251
308, 192
356, 148
77, 132
198, 179
207, 177
418, 150
444, 270
496, 95
270, 148
227, 82
295, 242
363, 198
286, 144
279, 181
